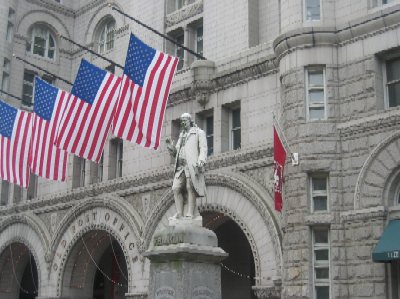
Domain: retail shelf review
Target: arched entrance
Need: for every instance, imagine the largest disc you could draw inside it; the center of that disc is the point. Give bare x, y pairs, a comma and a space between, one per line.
237, 271
96, 268
18, 273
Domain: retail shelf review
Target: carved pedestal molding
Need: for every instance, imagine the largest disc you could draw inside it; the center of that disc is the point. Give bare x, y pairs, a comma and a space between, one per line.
267, 292
136, 296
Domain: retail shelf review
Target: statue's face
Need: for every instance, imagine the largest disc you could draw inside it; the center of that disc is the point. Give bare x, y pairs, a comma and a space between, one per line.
185, 123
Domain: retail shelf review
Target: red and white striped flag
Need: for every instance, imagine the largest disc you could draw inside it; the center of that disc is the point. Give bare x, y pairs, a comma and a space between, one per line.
47, 160
89, 111
15, 139
279, 166
145, 87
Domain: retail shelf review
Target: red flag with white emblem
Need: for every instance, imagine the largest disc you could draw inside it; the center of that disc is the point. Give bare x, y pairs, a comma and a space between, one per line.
279, 164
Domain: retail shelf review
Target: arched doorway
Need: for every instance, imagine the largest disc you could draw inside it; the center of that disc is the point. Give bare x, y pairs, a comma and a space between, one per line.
18, 273
237, 271
96, 268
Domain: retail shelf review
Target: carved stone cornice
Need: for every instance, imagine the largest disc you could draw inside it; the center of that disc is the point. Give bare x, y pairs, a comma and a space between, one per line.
54, 6
383, 120
223, 80
361, 28
184, 13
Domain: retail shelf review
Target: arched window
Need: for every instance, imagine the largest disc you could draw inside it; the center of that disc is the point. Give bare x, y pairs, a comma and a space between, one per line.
42, 42
105, 40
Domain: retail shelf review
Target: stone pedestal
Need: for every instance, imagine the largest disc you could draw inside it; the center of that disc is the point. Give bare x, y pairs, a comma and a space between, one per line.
185, 264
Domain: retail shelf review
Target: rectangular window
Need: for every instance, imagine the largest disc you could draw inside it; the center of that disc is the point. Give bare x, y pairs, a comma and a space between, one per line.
179, 4
375, 3
11, 14
97, 170
316, 99
10, 32
210, 134
27, 88
312, 10
199, 40
116, 158
120, 156
321, 258
236, 134
78, 172
5, 189
179, 51
319, 193
5, 83
392, 78
17, 194
32, 188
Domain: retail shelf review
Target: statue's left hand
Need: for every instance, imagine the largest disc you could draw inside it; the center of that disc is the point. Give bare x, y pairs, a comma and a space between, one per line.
200, 166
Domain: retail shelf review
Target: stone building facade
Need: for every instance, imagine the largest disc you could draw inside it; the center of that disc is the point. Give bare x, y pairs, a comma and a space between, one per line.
330, 72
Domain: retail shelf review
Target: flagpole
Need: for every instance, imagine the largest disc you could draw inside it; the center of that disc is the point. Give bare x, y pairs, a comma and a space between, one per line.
158, 33
11, 95
91, 51
42, 69
293, 155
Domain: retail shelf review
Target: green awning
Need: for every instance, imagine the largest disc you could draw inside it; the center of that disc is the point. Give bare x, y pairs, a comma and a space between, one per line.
388, 247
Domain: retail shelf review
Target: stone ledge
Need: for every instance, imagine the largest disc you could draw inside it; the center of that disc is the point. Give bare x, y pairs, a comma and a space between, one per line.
374, 212
321, 218
385, 119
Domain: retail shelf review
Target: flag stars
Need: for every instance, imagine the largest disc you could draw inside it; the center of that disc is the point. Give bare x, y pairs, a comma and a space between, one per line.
88, 81
7, 118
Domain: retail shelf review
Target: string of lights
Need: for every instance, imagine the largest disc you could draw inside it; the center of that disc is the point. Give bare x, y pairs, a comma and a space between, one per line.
96, 265
33, 278
116, 258
15, 275
236, 272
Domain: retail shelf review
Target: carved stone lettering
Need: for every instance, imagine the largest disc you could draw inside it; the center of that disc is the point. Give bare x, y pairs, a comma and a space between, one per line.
64, 243
107, 216
168, 239
165, 293
202, 293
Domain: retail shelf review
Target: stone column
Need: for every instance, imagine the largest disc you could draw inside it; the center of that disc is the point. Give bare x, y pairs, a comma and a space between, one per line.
185, 263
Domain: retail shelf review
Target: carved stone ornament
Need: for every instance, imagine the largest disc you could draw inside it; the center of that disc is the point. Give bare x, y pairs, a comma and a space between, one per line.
184, 13
267, 292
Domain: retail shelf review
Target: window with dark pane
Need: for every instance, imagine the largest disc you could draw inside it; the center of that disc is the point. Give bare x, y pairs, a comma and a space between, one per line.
321, 269
393, 81
27, 88
236, 129
313, 10
319, 192
210, 134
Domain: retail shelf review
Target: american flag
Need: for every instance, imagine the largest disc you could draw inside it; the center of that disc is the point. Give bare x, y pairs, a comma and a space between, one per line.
88, 115
146, 83
47, 160
15, 139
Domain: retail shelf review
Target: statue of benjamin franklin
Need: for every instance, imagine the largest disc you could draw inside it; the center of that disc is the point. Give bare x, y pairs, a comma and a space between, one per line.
190, 155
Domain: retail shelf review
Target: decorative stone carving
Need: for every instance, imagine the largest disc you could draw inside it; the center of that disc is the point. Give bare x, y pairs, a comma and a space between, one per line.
184, 13
267, 292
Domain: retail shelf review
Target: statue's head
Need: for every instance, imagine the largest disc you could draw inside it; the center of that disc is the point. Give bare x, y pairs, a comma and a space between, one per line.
186, 121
